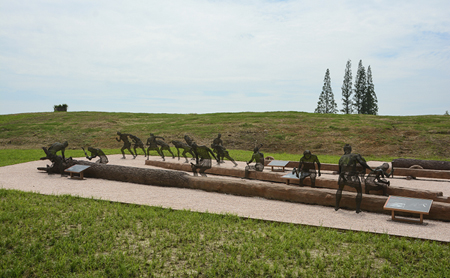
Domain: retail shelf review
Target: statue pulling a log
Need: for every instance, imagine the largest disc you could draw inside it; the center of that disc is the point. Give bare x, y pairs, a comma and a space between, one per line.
59, 162
202, 159
126, 143
349, 175
376, 180
217, 146
103, 159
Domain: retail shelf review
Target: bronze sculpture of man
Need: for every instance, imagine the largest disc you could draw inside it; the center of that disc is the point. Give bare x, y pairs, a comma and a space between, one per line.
217, 146
54, 148
126, 143
186, 149
348, 175
96, 152
258, 157
202, 158
164, 147
153, 145
137, 143
307, 168
376, 179
59, 163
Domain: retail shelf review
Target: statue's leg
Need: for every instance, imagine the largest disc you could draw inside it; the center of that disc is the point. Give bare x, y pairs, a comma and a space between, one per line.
339, 195
202, 171
134, 156
123, 153
161, 153
178, 153
358, 198
184, 155
194, 169
173, 156
313, 179
301, 181
231, 159
148, 153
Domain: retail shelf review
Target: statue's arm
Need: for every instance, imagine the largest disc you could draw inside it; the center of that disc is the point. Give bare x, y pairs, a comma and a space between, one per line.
212, 153
363, 163
391, 173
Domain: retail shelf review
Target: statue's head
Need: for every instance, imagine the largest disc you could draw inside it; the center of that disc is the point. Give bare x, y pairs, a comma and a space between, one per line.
151, 134
219, 135
256, 149
385, 166
307, 153
118, 133
91, 149
66, 144
194, 145
347, 149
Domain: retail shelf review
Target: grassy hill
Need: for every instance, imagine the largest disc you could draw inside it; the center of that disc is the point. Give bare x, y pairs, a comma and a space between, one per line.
424, 137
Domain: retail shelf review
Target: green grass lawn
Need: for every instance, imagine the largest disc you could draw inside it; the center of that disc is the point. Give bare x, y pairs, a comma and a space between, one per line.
66, 236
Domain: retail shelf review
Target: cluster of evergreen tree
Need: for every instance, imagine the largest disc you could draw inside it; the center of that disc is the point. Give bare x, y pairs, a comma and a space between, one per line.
364, 99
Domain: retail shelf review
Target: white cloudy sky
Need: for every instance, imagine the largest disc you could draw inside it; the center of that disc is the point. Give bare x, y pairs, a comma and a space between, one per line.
220, 55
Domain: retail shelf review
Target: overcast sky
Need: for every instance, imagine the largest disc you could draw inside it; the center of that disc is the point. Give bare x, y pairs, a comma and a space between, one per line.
220, 56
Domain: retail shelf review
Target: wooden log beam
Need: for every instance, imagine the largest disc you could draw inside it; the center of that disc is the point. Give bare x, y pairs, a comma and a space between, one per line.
425, 164
321, 182
268, 190
422, 173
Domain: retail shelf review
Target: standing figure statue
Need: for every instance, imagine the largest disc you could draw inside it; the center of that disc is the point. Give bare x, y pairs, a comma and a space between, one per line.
137, 143
186, 149
221, 151
153, 145
259, 162
164, 147
376, 179
96, 152
348, 175
126, 144
202, 158
307, 168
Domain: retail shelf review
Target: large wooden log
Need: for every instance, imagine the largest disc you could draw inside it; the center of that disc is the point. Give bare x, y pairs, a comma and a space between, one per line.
268, 190
330, 183
423, 173
425, 164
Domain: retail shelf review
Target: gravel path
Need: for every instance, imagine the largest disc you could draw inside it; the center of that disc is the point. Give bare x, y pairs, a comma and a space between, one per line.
26, 177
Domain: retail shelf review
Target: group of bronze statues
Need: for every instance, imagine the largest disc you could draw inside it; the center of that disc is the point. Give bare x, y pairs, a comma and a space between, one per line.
352, 167
202, 155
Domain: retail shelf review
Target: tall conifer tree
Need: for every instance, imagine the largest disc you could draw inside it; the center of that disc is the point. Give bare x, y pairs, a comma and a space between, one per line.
326, 103
360, 90
371, 97
347, 89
